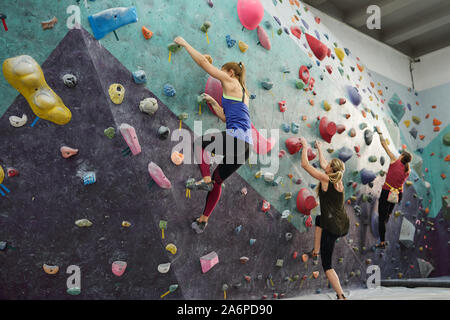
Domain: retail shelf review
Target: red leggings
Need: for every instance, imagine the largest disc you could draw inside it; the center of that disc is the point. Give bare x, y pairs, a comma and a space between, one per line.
232, 162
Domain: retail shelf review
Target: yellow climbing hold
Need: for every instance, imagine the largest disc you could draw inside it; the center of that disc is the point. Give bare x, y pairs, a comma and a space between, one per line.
50, 269
243, 46
26, 76
171, 248
326, 105
116, 93
2, 174
339, 53
126, 224
407, 123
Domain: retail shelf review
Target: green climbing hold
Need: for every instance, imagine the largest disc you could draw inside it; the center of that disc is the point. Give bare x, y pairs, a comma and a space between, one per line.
446, 139
373, 159
299, 84
173, 47
280, 31
341, 71
382, 173
416, 119
183, 116
110, 132
363, 125
74, 291
206, 25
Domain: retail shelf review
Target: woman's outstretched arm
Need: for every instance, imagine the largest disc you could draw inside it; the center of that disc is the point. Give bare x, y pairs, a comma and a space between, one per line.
385, 146
313, 172
215, 105
202, 61
323, 162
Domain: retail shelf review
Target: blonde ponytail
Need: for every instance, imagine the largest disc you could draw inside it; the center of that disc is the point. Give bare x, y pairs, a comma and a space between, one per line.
337, 175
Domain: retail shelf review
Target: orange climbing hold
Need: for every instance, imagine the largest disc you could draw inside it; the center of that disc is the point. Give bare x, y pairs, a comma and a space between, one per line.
361, 68
147, 33
447, 158
315, 274
434, 107
436, 129
443, 176
363, 113
427, 210
304, 257
427, 116
436, 122
421, 137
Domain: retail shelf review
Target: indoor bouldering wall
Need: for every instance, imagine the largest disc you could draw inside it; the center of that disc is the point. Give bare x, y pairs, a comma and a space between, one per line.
259, 253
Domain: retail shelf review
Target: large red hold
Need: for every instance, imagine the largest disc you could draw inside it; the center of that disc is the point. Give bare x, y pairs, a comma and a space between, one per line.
319, 49
327, 129
305, 201
293, 145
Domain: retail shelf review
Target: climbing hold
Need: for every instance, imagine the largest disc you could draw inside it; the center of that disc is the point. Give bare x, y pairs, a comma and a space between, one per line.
357, 148
265, 206
250, 13
282, 105
173, 47
25, 75
129, 135
373, 158
279, 263
252, 241
126, 224
68, 152
296, 31
315, 274
83, 223
342, 101
263, 38
70, 80
89, 178
368, 136
118, 267
407, 231
163, 132
267, 84
339, 53
327, 129
116, 93
177, 158
110, 132
363, 125
413, 132
318, 48
244, 260
353, 95
329, 69
345, 154
111, 19
326, 105
49, 24
382, 160
11, 172
436, 122
242, 46
164, 267
269, 177
18, 122
293, 145
230, 42
397, 109
169, 90
299, 84
416, 119
305, 201
149, 106
50, 269
148, 34
446, 139
425, 268
367, 176
295, 127
303, 74
139, 76
286, 127
158, 176
288, 236
340, 128
205, 26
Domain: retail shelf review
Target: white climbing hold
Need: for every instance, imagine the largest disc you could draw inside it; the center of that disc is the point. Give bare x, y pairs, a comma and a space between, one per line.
18, 122
83, 223
149, 106
164, 267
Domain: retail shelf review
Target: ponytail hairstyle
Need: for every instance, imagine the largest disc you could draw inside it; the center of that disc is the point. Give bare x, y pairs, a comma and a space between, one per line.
239, 71
338, 167
406, 159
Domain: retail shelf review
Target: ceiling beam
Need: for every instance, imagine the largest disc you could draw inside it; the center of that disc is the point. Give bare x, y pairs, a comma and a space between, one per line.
358, 17
418, 52
315, 3
418, 27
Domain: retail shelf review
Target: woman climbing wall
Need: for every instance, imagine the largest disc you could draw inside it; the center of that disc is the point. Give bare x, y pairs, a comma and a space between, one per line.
333, 221
392, 190
234, 143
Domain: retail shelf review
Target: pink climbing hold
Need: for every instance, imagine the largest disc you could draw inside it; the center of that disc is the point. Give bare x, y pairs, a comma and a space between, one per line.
129, 135
158, 176
342, 101
340, 128
318, 48
305, 201
118, 267
281, 154
303, 74
296, 31
327, 129
329, 53
329, 69
208, 261
308, 222
261, 145
263, 38
68, 152
250, 13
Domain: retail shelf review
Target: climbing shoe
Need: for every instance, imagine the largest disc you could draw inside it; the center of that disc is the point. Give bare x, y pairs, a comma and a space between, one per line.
198, 227
200, 185
381, 245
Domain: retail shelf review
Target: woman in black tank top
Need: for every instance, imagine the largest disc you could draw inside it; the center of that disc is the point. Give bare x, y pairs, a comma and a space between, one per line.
333, 221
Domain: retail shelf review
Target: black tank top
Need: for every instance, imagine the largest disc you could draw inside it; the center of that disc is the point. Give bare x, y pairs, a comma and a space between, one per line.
333, 217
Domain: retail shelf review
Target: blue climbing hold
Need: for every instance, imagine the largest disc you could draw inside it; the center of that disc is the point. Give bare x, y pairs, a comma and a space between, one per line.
277, 20
347, 51
253, 96
367, 176
286, 128
286, 30
238, 229
139, 77
230, 42
295, 127
267, 24
354, 95
326, 36
345, 154
109, 20
169, 90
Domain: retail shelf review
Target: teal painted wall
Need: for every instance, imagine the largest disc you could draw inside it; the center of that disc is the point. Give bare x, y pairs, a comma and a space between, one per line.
167, 19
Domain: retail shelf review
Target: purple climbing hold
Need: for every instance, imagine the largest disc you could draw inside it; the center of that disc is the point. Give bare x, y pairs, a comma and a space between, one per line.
317, 34
277, 20
210, 3
305, 24
345, 154
409, 106
367, 176
286, 30
354, 95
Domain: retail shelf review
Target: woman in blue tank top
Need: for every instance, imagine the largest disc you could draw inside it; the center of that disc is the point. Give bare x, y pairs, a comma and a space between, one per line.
234, 143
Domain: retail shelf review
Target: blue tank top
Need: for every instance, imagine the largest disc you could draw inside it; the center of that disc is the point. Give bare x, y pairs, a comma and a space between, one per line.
237, 118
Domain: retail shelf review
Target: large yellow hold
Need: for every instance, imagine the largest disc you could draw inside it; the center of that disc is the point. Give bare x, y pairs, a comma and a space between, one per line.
26, 76
339, 53
2, 174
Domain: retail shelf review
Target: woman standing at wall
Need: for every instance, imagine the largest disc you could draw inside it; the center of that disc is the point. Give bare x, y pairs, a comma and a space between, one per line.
392, 190
333, 221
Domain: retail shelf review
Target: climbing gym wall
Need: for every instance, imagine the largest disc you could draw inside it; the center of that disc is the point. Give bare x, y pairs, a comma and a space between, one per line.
77, 191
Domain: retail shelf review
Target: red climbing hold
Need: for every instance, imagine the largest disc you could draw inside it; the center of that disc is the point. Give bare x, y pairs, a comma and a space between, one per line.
318, 48
340, 128
317, 20
311, 154
447, 158
12, 172
305, 201
263, 38
327, 129
357, 149
282, 105
304, 74
342, 101
265, 206
329, 69
293, 145
308, 222
296, 31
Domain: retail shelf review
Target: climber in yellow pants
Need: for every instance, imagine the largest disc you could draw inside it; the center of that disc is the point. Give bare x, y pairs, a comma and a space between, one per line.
26, 76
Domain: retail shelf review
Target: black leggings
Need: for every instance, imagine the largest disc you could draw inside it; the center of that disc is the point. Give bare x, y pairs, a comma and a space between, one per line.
384, 211
327, 242
231, 162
